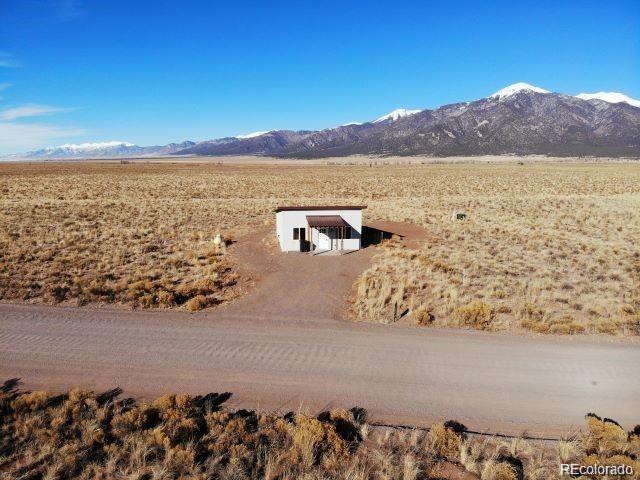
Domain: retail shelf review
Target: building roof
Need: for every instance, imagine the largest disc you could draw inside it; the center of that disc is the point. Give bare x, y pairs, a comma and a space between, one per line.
320, 207
326, 221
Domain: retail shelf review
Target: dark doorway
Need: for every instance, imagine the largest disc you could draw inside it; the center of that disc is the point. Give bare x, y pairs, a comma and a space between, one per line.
305, 245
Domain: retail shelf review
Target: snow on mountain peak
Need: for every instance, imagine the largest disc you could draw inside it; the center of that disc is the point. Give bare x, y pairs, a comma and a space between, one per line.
610, 97
396, 114
515, 88
91, 146
251, 135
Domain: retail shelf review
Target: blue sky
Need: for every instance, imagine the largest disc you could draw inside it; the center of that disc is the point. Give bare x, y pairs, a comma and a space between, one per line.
152, 72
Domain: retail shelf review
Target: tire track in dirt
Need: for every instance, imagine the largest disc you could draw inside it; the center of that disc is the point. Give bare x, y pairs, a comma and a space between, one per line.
503, 382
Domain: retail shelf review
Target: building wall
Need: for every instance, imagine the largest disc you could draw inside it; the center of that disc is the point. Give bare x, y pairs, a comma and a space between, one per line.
287, 220
279, 217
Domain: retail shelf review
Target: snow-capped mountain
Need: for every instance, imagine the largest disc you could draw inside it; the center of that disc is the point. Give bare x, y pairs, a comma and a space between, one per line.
610, 97
518, 119
262, 143
71, 147
252, 135
515, 88
82, 150
396, 115
112, 149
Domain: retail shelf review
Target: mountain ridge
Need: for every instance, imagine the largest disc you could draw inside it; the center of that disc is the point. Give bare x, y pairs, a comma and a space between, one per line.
524, 122
111, 149
518, 119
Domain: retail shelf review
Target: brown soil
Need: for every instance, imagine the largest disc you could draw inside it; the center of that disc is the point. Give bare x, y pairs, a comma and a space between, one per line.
294, 287
285, 346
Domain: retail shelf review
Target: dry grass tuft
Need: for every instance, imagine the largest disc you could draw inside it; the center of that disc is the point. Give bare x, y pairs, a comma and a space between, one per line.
605, 437
494, 469
606, 443
444, 441
79, 434
564, 326
82, 435
422, 316
476, 314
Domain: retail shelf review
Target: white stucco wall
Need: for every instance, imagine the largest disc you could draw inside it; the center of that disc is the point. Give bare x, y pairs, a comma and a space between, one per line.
287, 220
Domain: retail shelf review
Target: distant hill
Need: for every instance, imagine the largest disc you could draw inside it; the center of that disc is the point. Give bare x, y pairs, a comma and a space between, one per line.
113, 149
265, 143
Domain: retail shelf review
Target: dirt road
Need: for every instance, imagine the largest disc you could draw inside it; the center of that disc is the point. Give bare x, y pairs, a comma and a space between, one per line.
285, 346
501, 382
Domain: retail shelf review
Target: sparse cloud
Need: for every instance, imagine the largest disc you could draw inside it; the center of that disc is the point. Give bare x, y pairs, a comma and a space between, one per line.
7, 60
18, 137
29, 110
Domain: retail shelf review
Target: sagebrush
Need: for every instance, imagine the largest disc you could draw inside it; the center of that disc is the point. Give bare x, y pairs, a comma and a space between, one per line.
81, 434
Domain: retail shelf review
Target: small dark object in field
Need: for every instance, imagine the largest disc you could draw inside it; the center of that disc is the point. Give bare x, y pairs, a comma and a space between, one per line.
458, 215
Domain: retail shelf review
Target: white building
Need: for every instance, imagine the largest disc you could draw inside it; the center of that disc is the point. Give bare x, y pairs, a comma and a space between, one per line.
319, 228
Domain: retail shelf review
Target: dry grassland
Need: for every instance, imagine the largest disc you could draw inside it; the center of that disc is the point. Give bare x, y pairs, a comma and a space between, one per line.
80, 434
141, 236
552, 249
549, 248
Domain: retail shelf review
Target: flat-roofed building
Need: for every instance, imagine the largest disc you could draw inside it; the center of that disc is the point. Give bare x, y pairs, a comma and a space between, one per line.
319, 227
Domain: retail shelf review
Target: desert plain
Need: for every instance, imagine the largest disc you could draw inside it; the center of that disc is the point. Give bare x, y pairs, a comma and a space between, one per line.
516, 320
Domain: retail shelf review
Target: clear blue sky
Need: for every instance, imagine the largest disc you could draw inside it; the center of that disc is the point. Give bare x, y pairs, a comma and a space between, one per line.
151, 72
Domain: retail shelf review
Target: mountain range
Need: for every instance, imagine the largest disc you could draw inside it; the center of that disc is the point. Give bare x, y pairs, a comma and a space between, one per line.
519, 119
114, 149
